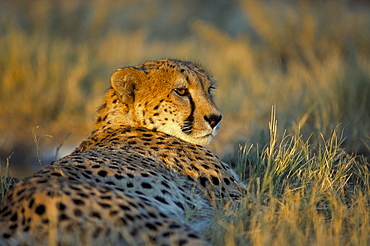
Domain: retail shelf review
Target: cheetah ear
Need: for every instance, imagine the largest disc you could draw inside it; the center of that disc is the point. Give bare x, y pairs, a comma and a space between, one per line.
124, 82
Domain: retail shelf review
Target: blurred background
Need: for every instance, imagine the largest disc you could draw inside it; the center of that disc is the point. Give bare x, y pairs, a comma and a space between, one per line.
308, 59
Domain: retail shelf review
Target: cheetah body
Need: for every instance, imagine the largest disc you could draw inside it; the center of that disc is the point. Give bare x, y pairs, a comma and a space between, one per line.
140, 178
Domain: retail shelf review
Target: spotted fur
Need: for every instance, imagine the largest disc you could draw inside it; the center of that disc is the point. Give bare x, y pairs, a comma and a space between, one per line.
140, 178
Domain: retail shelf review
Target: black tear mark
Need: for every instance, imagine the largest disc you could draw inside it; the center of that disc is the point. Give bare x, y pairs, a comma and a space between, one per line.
187, 128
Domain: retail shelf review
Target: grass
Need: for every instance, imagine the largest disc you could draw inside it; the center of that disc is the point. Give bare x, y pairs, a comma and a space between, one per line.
307, 177
299, 194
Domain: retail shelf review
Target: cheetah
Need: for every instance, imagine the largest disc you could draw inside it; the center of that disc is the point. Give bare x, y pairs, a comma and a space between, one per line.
142, 177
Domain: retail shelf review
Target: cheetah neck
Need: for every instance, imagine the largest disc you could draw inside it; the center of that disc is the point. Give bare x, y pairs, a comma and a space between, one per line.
113, 112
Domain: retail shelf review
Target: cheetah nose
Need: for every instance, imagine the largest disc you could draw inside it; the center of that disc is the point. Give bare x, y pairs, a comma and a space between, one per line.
213, 119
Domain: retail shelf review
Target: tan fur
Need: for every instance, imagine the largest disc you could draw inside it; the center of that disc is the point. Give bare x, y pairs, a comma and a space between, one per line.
140, 178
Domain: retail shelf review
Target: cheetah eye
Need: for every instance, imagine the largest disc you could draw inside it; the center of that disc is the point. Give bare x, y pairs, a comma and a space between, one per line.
182, 91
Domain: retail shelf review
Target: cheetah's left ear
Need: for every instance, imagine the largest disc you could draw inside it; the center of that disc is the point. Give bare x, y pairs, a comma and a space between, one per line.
124, 81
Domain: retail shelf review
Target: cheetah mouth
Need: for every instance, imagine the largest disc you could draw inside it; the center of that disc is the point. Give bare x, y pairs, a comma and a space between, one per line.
203, 139
206, 136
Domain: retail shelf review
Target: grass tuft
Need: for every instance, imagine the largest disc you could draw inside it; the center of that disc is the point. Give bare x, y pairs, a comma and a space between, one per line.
299, 194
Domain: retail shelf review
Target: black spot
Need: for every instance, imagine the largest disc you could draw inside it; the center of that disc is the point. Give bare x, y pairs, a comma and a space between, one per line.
56, 174
156, 107
78, 202
131, 168
192, 235
95, 214
7, 213
205, 166
132, 204
130, 185
139, 193
85, 175
215, 180
183, 242
163, 215
194, 167
164, 183
63, 217
114, 167
144, 175
130, 175
117, 176
102, 173
30, 205
13, 227
106, 197
6, 235
180, 205
5, 208
40, 209
74, 188
161, 199
152, 215
124, 207
146, 185
151, 226
152, 173
123, 221
227, 181
167, 234
131, 142
61, 206
164, 192
203, 181
104, 205
20, 192
113, 213
52, 193
209, 154
77, 212
14, 217
175, 226
129, 217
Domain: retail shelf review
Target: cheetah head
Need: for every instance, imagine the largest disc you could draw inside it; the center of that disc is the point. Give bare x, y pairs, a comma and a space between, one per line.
170, 96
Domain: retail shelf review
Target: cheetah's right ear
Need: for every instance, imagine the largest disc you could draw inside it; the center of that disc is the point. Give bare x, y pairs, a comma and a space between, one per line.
124, 81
